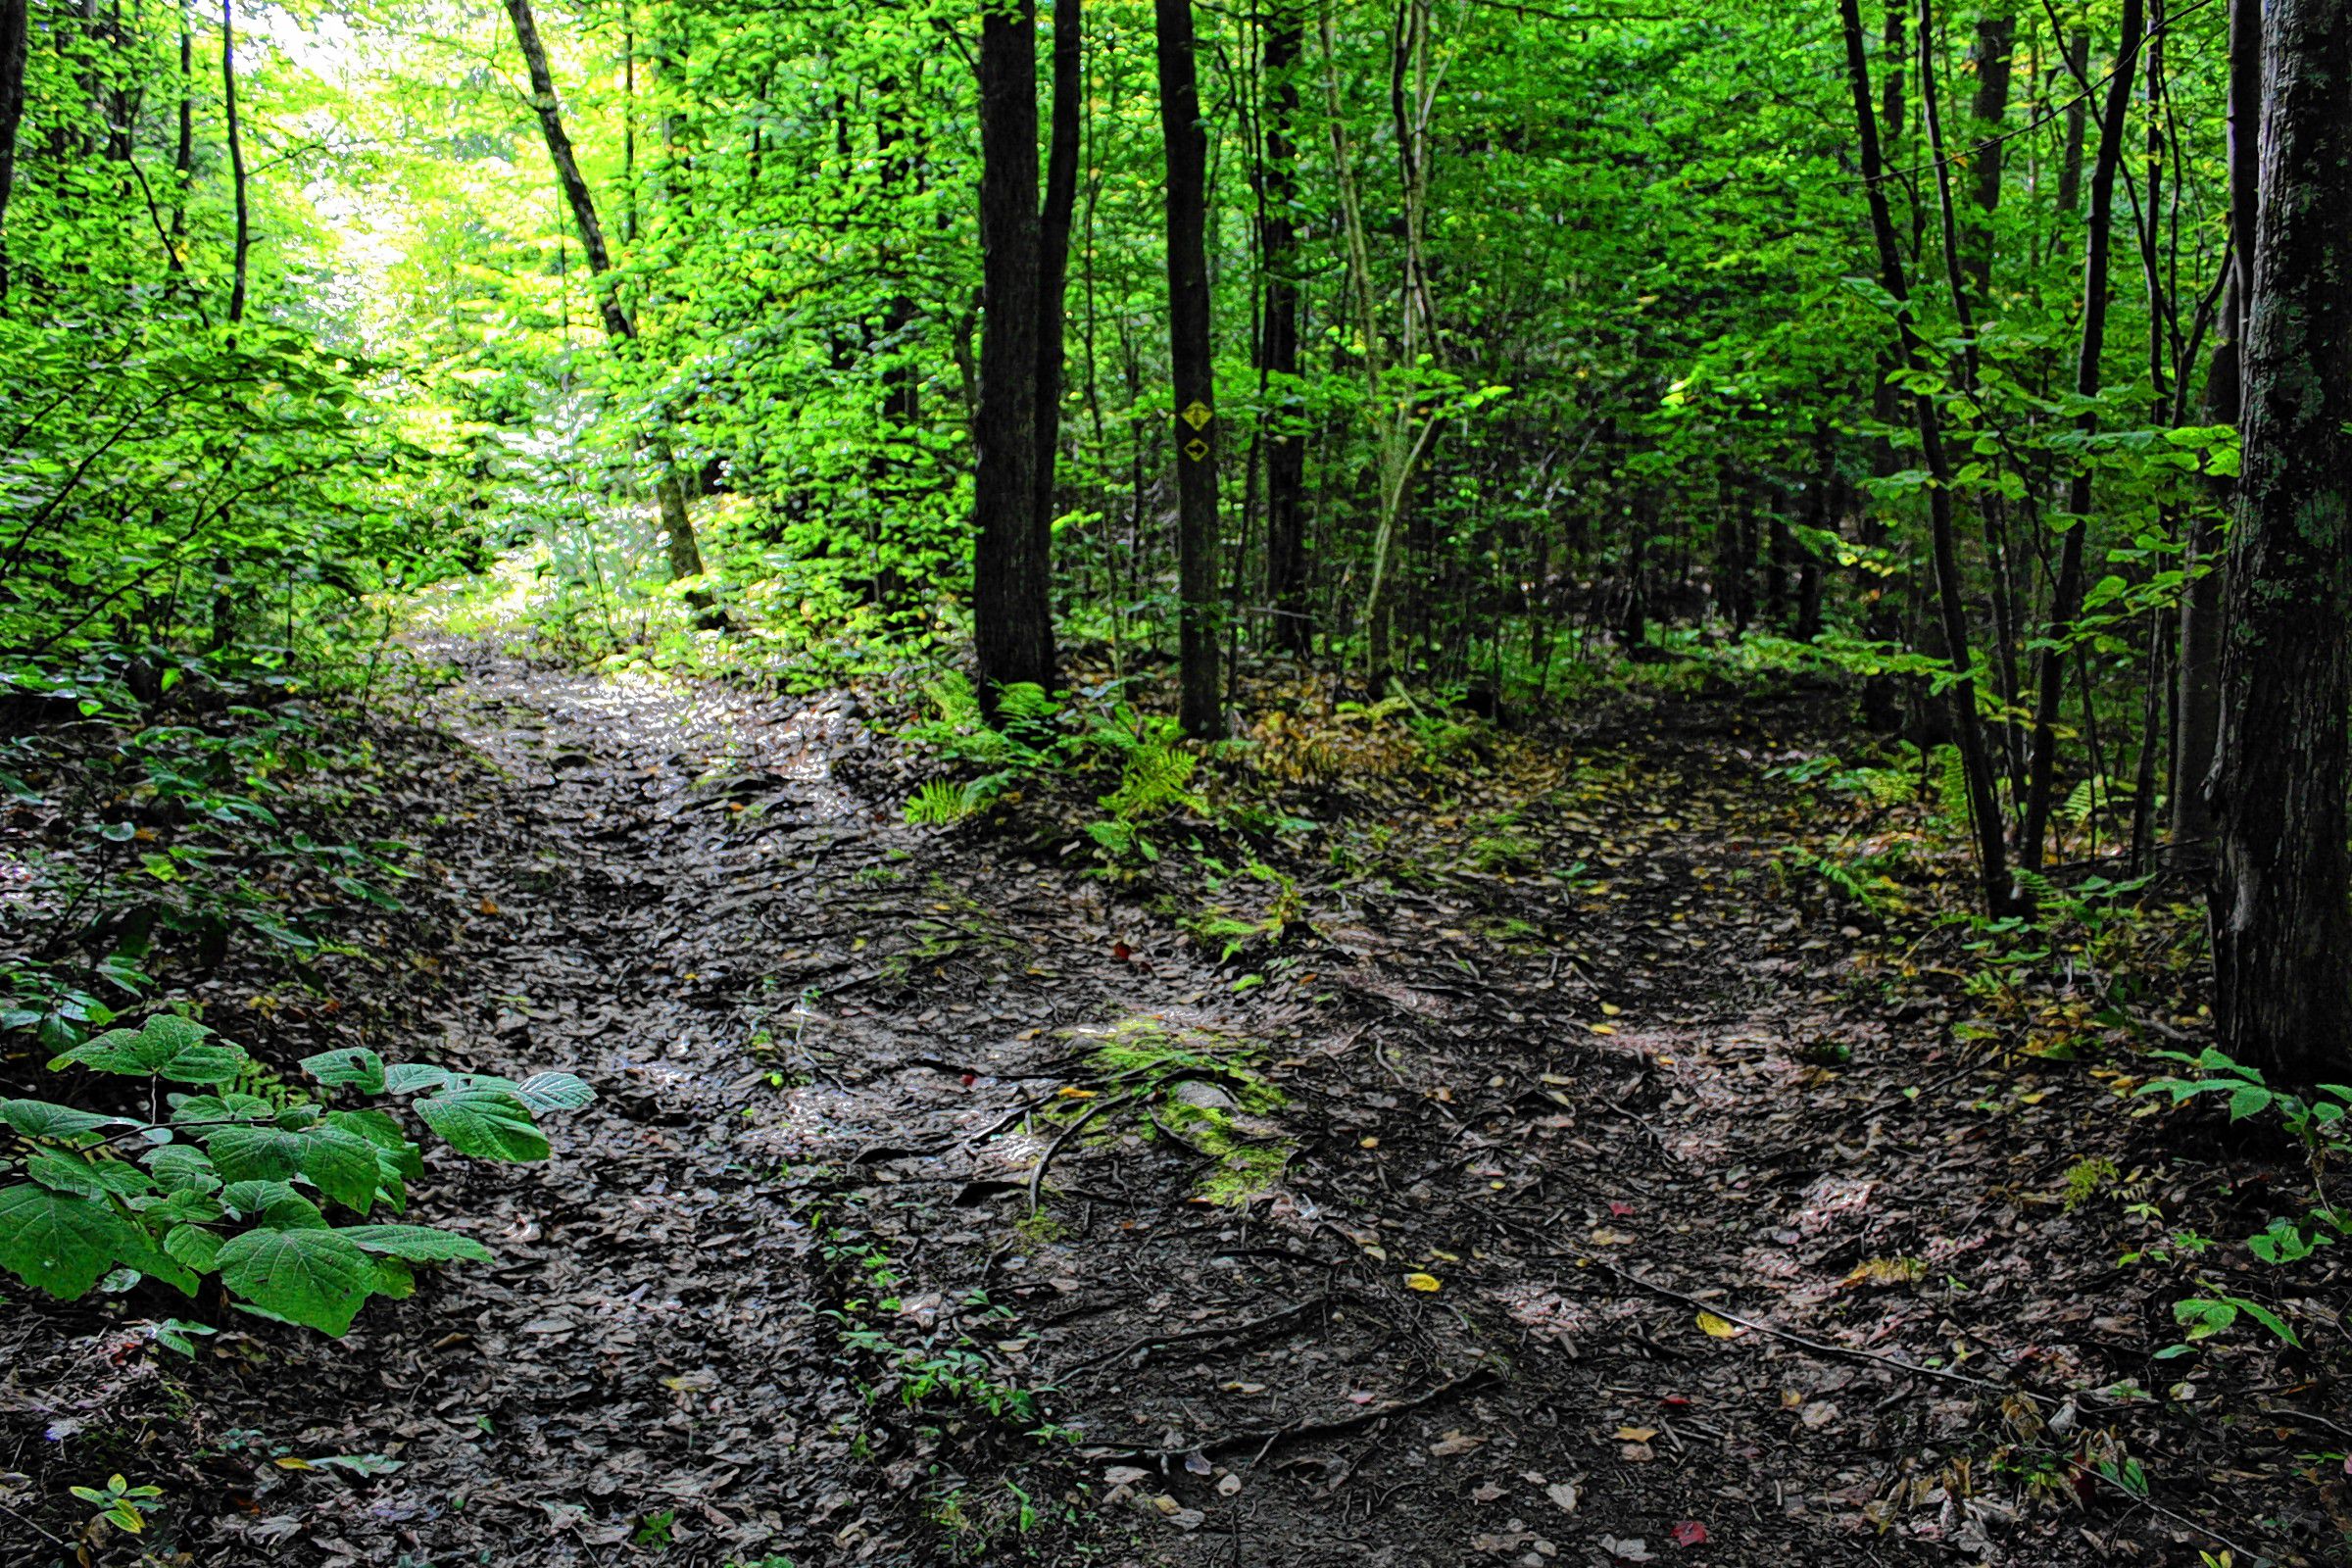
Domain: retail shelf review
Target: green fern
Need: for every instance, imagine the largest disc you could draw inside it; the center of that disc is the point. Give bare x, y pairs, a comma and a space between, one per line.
1951, 784
1153, 783
940, 803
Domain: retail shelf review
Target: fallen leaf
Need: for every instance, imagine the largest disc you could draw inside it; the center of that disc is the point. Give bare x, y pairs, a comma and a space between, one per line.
1453, 1443
1718, 1328
1634, 1549
1636, 1434
1421, 1282
1563, 1494
1690, 1533
1487, 1492
1605, 1237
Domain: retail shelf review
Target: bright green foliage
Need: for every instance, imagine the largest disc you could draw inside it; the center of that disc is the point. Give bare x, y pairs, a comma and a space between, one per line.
239, 1184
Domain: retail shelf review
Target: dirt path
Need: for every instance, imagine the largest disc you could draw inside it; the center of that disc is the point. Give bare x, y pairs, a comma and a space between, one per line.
780, 1296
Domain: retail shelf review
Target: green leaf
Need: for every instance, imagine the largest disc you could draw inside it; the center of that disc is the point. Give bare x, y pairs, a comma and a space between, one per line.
394, 1278
38, 1118
193, 1246
554, 1091
87, 1178
353, 1068
316, 1278
246, 1199
415, 1077
386, 1133
419, 1244
183, 1168
342, 1164
167, 1047
254, 1154
486, 1123
56, 1241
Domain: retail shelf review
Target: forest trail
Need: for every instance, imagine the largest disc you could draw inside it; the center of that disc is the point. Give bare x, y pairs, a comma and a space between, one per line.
777, 1299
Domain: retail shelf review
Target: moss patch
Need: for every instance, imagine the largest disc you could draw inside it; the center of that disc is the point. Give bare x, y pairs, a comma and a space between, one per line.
1203, 1090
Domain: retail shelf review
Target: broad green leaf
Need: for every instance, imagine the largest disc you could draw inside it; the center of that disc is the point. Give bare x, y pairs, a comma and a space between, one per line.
313, 1277
193, 1246
38, 1118
415, 1077
385, 1133
254, 1154
247, 1198
167, 1047
554, 1091
342, 1165
394, 1278
353, 1068
419, 1244
183, 1168
486, 1123
56, 1241
87, 1178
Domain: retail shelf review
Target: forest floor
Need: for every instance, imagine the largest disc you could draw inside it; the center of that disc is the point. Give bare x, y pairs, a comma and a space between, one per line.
1635, 1214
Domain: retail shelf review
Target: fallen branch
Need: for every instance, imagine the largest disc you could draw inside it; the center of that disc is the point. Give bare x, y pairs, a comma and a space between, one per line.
1268, 1437
1214, 1331
1037, 1172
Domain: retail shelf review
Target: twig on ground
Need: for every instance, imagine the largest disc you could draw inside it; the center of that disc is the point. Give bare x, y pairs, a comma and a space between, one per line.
1037, 1172
1270, 1436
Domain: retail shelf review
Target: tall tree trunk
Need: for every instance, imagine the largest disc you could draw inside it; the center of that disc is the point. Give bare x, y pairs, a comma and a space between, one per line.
236, 160
1996, 40
2078, 124
2281, 912
14, 25
1053, 261
2198, 704
1191, 376
1278, 348
684, 555
1976, 762
2066, 597
1013, 613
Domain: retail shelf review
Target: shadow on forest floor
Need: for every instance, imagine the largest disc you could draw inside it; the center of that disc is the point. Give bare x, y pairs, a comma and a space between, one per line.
1529, 1218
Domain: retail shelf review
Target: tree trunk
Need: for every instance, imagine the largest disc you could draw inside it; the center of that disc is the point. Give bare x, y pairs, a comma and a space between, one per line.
2066, 597
13, 23
1012, 612
1278, 349
1996, 40
1976, 763
1054, 262
236, 160
1191, 376
684, 555
2282, 913
2078, 124
2197, 706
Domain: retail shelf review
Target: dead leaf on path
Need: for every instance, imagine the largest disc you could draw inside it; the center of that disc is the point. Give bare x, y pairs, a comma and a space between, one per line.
1634, 1549
1604, 1237
1718, 1327
1690, 1533
1422, 1282
1636, 1434
1564, 1496
1453, 1443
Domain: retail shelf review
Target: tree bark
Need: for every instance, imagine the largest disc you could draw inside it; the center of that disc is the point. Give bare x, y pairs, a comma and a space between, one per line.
236, 160
2281, 912
1192, 377
1996, 40
1054, 262
13, 23
1278, 349
683, 553
1976, 763
1013, 613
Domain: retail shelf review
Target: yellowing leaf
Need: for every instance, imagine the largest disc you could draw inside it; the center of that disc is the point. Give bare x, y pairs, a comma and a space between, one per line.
1610, 1010
1717, 1328
1421, 1282
1073, 1092
1603, 1028
1636, 1434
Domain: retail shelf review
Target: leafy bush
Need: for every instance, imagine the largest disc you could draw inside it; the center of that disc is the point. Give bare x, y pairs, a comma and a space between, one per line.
226, 1183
